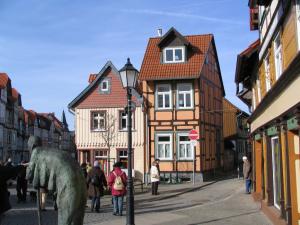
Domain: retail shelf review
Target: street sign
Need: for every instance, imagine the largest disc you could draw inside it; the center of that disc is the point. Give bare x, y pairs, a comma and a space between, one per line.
193, 135
193, 142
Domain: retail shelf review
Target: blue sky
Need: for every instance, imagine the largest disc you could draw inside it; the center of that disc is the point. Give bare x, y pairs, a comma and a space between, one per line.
49, 47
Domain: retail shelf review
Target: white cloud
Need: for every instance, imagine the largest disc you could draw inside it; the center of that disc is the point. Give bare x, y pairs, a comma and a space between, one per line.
183, 15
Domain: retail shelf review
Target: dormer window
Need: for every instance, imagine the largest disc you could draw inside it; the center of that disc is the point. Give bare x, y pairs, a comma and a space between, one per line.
104, 85
174, 55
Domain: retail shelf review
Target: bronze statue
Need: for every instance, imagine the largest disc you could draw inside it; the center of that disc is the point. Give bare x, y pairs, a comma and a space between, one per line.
58, 172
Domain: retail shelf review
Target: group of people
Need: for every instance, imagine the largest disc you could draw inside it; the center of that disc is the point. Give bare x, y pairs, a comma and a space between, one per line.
97, 184
7, 172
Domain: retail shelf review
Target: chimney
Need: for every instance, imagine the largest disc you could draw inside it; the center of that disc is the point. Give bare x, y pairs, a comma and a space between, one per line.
159, 32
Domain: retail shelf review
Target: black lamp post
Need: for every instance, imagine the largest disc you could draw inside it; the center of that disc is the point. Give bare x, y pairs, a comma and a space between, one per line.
129, 76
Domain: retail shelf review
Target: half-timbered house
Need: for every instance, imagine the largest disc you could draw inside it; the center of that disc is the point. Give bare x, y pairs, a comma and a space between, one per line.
101, 122
183, 90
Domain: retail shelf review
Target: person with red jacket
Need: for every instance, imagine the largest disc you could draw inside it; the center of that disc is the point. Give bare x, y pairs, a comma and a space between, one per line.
117, 182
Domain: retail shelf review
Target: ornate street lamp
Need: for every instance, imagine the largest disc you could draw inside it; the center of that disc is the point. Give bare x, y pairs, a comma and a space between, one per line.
129, 76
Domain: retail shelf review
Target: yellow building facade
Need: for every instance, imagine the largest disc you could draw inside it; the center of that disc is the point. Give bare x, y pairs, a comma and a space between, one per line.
268, 80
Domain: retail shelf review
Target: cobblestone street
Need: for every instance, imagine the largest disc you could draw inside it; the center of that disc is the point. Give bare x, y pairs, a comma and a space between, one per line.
222, 202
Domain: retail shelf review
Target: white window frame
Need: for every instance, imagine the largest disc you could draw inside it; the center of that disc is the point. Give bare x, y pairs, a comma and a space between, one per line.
278, 56
164, 143
185, 143
101, 85
185, 93
104, 156
258, 90
173, 49
274, 170
253, 99
121, 117
298, 21
99, 118
157, 93
267, 72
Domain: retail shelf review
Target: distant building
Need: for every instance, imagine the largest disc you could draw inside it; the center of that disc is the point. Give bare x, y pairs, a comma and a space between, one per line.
18, 124
268, 81
183, 90
101, 122
236, 134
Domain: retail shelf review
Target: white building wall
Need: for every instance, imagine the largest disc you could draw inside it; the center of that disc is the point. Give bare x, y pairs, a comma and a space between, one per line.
86, 139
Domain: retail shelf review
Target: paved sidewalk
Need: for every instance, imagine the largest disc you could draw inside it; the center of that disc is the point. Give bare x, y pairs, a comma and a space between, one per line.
212, 203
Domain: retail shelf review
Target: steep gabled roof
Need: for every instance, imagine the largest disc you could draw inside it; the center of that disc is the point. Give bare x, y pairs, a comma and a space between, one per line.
108, 65
236, 108
245, 61
30, 117
169, 34
153, 69
4, 79
14, 94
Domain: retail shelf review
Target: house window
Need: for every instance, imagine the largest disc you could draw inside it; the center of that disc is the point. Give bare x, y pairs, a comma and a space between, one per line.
206, 60
102, 157
98, 121
258, 90
123, 158
278, 56
101, 154
253, 99
276, 170
163, 96
174, 55
267, 71
298, 21
123, 121
184, 96
104, 85
185, 150
164, 146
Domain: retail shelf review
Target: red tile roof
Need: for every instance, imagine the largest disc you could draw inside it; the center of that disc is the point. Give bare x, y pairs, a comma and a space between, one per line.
14, 94
92, 77
251, 48
30, 116
3, 80
153, 69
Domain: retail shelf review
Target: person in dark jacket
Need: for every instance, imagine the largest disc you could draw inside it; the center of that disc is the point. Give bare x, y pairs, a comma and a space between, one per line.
84, 170
21, 185
117, 191
96, 182
6, 173
247, 174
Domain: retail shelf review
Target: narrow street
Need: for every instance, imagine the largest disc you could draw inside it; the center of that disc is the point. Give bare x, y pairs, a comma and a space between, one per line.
221, 202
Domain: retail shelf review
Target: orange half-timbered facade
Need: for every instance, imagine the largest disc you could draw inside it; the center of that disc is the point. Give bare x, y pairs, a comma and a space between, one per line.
183, 90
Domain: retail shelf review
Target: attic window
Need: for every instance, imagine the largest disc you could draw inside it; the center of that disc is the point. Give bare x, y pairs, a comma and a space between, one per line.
174, 55
104, 85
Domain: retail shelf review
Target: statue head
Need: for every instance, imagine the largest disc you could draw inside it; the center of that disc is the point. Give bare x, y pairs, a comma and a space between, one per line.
34, 142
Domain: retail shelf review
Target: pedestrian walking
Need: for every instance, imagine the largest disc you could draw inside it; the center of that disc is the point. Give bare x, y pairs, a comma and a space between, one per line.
155, 177
247, 174
117, 182
21, 184
6, 173
83, 166
43, 197
96, 182
88, 167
